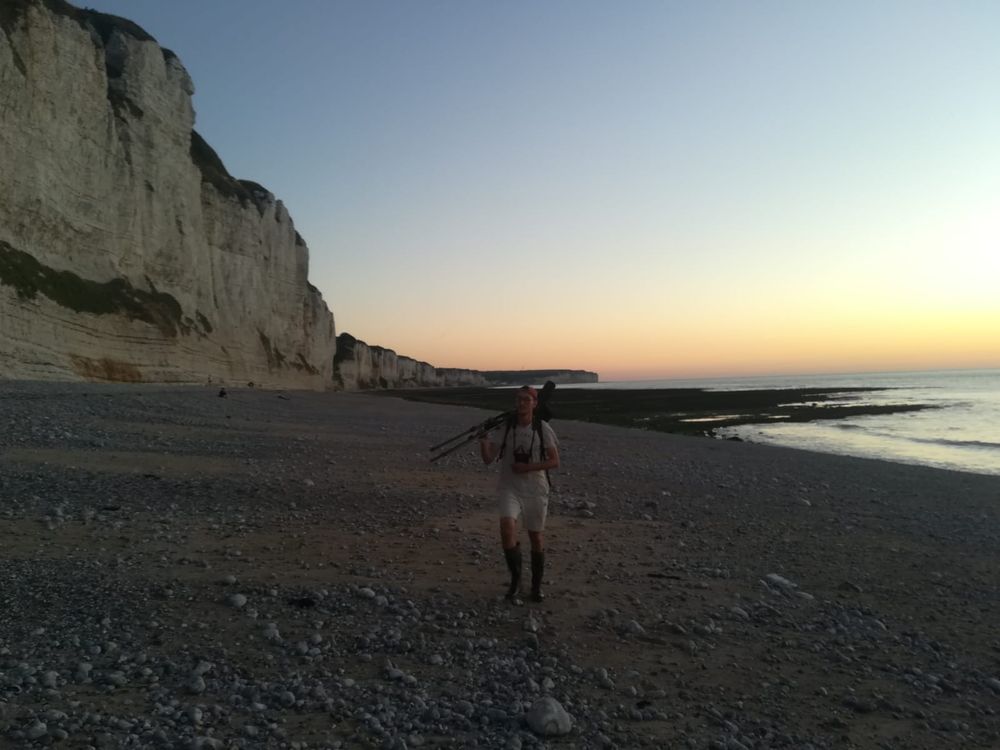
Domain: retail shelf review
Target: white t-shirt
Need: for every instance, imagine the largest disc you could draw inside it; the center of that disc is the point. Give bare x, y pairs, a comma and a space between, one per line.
524, 439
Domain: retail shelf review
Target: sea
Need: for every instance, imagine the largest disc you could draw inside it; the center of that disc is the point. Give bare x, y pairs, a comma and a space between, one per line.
962, 433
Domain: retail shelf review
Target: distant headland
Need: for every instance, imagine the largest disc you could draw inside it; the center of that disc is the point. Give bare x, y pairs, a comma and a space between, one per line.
531, 377
361, 366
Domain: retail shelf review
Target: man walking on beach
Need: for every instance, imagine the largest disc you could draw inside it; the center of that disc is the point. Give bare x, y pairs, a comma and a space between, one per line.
527, 449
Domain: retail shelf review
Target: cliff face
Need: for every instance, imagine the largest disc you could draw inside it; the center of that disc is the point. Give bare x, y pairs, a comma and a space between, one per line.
127, 252
359, 366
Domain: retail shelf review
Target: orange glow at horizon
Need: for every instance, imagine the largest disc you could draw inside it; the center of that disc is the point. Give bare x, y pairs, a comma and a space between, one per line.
914, 298
751, 346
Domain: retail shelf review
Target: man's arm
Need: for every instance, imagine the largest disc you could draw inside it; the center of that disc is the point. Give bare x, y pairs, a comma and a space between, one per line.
487, 449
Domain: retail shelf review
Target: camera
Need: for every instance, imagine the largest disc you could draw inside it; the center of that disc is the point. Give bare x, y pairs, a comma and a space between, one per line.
522, 456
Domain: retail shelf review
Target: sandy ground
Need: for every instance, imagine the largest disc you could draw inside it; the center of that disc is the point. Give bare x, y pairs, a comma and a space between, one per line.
708, 593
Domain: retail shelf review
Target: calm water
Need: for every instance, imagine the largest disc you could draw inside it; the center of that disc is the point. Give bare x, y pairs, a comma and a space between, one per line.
964, 434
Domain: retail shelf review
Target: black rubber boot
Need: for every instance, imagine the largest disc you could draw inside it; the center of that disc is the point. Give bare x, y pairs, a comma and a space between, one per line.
537, 571
513, 556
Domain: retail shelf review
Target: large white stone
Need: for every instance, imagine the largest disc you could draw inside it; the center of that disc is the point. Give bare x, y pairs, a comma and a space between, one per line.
548, 718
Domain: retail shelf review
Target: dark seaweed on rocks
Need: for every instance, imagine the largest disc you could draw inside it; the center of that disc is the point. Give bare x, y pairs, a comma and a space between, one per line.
691, 411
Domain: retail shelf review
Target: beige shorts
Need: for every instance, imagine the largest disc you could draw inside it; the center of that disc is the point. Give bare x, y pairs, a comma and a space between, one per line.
532, 506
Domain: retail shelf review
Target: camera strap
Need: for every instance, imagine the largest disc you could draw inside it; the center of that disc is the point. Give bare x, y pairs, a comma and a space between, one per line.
506, 432
536, 426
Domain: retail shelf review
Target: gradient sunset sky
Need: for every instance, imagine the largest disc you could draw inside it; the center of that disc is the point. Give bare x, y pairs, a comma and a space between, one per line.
643, 189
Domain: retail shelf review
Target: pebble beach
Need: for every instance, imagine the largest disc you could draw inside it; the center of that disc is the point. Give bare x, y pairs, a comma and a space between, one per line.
289, 570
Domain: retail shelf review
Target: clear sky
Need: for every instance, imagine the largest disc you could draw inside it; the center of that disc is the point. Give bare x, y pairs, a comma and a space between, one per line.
644, 189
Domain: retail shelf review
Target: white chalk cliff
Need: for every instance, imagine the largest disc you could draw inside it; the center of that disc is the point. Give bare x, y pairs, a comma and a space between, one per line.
359, 366
127, 252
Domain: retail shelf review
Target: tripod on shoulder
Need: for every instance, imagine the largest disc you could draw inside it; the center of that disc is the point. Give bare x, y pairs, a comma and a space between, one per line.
475, 432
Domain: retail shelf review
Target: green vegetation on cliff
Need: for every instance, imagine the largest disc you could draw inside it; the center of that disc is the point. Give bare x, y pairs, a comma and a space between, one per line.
214, 172
29, 278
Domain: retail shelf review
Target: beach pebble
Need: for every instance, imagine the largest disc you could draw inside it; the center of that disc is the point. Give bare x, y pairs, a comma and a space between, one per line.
206, 743
632, 627
116, 678
548, 718
37, 730
237, 601
204, 667
271, 632
780, 581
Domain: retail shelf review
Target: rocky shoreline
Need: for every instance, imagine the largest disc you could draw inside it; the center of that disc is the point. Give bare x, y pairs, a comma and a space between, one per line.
277, 569
683, 411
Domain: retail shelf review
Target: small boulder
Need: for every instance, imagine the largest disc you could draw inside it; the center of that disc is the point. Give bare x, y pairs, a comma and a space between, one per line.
548, 718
